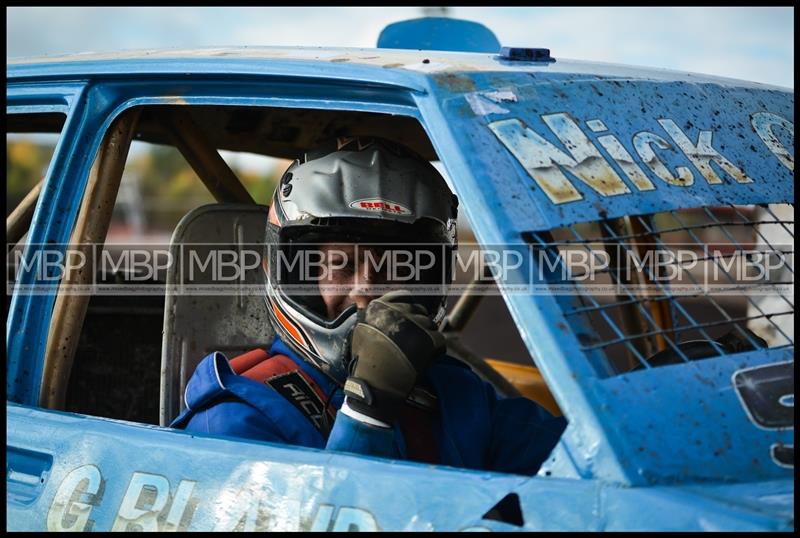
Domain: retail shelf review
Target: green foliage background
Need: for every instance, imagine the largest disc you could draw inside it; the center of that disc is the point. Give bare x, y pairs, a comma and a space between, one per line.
26, 164
168, 187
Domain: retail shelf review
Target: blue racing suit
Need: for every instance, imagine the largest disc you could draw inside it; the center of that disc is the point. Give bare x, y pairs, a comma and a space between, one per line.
474, 427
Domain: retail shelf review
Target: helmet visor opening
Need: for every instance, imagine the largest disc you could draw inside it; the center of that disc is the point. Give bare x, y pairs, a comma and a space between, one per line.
326, 268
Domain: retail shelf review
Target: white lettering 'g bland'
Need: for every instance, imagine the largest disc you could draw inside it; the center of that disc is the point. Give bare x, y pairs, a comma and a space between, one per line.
66, 514
354, 519
154, 488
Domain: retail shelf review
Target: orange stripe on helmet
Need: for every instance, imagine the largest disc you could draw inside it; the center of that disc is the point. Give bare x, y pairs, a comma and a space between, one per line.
291, 329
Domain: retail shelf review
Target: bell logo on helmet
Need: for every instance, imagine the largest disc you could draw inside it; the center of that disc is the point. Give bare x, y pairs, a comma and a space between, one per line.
383, 206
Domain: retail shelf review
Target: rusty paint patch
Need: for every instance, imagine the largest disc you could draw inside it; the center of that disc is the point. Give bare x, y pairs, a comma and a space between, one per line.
455, 83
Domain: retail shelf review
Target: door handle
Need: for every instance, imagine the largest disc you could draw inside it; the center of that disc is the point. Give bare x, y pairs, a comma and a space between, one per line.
26, 474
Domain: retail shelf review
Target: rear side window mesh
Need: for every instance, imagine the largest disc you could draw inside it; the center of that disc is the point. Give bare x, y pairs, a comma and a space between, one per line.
651, 290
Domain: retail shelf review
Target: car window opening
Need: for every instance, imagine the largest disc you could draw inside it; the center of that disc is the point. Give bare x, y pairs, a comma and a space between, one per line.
120, 338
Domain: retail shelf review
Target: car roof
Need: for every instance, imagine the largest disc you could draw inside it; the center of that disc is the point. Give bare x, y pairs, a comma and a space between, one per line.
472, 89
425, 62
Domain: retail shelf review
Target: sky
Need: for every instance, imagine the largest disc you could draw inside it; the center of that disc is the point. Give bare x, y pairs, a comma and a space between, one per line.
750, 43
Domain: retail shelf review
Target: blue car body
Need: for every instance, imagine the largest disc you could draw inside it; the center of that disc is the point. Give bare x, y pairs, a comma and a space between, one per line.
668, 448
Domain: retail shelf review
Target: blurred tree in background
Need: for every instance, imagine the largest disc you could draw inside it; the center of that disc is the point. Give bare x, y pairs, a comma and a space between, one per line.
164, 187
26, 163
158, 185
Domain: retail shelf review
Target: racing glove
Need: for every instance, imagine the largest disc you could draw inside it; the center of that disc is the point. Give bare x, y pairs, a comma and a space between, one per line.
395, 342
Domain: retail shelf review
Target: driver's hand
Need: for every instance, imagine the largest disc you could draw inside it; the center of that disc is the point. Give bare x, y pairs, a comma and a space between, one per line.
395, 342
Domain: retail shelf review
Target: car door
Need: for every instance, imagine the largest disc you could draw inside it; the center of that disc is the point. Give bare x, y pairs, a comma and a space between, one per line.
70, 471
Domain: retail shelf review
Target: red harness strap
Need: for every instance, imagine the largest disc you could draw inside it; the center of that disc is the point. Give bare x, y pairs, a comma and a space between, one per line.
287, 378
256, 366
418, 433
244, 362
283, 375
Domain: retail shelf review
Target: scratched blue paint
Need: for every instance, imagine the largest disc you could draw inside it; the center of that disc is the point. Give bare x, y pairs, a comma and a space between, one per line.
597, 478
232, 476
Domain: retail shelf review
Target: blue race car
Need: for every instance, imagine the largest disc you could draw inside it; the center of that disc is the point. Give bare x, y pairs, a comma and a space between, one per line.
676, 378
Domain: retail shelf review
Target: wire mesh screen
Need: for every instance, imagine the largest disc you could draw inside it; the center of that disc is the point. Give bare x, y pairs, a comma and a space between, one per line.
652, 290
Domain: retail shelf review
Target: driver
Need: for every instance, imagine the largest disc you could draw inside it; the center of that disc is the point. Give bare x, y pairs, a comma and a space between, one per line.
357, 363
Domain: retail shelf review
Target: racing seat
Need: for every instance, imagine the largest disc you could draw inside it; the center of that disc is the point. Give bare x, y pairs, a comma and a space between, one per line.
204, 311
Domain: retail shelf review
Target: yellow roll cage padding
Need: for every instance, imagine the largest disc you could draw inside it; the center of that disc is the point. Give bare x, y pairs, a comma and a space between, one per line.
528, 380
